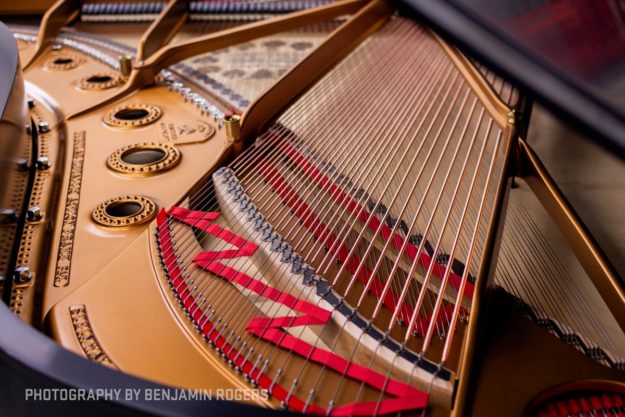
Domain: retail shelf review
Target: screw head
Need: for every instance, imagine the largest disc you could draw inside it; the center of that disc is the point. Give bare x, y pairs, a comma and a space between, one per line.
56, 47
22, 164
22, 274
34, 214
43, 163
8, 216
43, 127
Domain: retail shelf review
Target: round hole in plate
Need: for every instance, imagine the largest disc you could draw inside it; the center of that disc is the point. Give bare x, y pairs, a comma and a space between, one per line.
131, 113
99, 79
63, 61
122, 209
146, 158
143, 156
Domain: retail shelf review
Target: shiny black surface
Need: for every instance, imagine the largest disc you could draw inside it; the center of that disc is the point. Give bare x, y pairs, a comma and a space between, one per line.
569, 55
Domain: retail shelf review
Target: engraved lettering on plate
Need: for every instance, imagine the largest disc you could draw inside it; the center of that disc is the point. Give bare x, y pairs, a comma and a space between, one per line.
186, 131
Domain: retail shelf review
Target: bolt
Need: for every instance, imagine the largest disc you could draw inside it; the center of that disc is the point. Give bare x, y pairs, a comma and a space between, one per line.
22, 164
22, 274
8, 216
34, 214
43, 127
43, 163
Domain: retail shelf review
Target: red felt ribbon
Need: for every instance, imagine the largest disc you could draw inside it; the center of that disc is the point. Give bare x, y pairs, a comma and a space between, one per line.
405, 396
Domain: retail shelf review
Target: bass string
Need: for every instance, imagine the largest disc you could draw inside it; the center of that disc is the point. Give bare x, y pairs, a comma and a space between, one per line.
456, 312
322, 330
452, 253
412, 224
462, 171
386, 188
490, 200
347, 226
401, 251
431, 221
354, 351
431, 124
303, 178
472, 246
374, 210
373, 358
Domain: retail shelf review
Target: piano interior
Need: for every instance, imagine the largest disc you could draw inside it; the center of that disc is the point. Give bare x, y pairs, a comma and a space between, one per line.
323, 207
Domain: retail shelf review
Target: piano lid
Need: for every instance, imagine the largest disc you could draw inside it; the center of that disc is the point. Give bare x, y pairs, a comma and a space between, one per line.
8, 65
570, 56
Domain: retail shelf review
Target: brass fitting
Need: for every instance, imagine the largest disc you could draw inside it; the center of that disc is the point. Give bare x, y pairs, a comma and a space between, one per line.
233, 128
125, 65
233, 132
